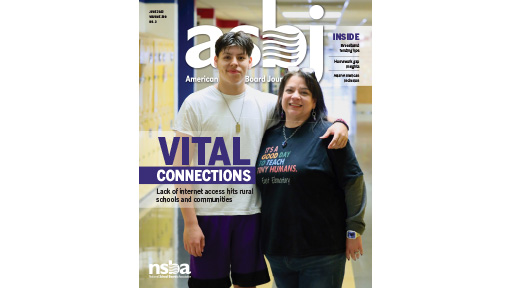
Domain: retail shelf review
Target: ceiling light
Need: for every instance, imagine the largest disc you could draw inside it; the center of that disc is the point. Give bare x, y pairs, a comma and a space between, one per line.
306, 27
327, 15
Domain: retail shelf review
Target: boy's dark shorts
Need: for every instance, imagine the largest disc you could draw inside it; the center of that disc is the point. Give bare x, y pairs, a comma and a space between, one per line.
231, 246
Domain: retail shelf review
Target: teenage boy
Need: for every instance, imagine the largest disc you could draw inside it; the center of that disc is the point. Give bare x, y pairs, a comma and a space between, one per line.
223, 238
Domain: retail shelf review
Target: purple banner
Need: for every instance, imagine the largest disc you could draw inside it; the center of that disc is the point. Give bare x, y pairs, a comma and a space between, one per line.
197, 175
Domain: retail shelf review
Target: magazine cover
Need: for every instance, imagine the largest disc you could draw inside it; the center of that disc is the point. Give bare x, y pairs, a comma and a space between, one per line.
255, 143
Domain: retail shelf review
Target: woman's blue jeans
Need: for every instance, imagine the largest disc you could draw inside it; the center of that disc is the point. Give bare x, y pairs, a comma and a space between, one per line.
308, 272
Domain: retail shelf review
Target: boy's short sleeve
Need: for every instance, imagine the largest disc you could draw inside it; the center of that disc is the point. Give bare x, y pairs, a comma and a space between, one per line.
187, 121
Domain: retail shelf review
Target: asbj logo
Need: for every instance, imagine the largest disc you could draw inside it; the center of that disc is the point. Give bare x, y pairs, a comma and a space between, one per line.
287, 36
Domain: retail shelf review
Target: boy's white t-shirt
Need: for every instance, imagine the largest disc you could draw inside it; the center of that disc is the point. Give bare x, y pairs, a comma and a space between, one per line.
206, 114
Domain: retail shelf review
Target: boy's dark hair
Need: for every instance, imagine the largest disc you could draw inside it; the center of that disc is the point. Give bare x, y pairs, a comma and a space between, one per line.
234, 39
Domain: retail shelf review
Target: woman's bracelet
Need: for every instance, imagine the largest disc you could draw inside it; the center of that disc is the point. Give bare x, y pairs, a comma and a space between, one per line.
341, 121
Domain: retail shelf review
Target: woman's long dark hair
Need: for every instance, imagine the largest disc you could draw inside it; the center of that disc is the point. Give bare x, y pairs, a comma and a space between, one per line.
314, 88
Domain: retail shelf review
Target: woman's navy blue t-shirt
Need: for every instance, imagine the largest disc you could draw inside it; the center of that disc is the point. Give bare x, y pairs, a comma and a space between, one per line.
302, 188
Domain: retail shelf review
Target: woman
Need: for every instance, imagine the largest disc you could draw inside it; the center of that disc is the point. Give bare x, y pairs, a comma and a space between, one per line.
313, 198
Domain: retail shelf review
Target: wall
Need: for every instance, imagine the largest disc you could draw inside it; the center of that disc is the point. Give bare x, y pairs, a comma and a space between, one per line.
165, 28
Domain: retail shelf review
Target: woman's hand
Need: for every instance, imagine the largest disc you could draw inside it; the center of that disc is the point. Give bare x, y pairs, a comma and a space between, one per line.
193, 238
340, 133
354, 247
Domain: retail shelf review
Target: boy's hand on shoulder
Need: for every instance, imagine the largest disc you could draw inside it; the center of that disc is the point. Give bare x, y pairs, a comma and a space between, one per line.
340, 138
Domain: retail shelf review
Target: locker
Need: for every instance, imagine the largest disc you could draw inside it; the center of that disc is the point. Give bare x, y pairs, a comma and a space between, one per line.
146, 74
171, 82
158, 70
165, 227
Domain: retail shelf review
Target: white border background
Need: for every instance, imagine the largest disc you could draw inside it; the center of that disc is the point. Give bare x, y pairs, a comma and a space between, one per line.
441, 149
